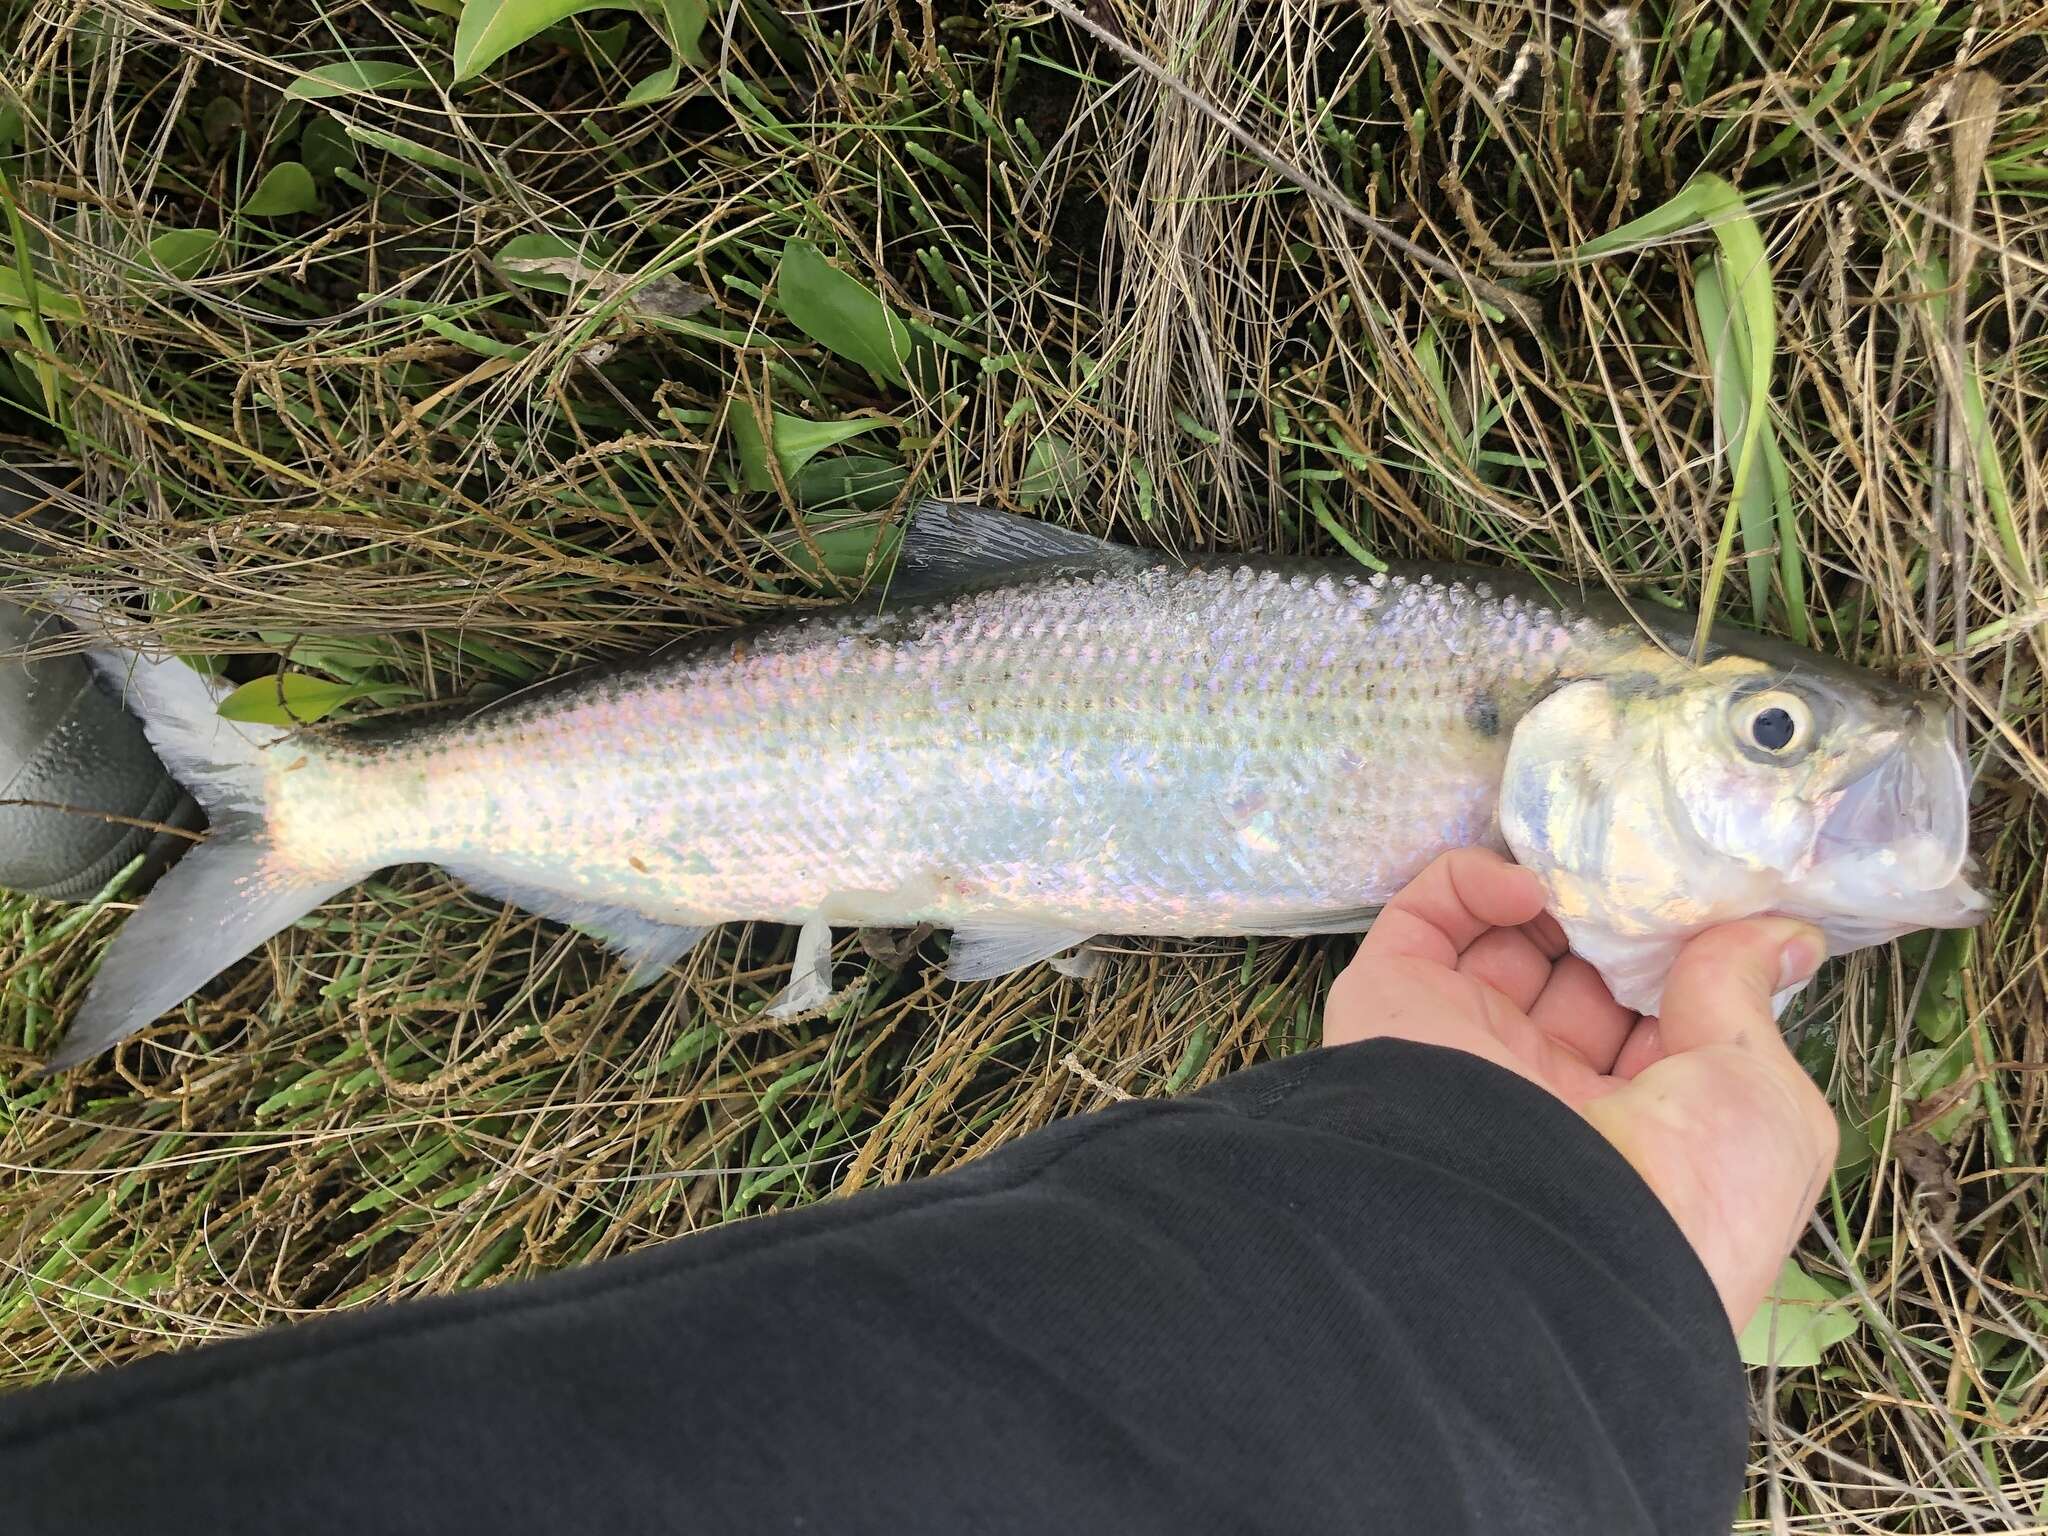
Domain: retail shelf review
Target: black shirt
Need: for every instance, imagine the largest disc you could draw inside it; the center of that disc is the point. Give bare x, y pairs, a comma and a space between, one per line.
1387, 1287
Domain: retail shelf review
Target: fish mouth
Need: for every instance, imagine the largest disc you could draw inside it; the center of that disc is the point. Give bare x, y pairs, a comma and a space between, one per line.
1892, 853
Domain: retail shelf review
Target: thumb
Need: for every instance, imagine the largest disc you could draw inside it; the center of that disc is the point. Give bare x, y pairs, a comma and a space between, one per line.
1720, 990
1725, 1125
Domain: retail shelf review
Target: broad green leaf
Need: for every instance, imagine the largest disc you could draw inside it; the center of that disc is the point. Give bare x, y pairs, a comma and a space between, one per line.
490, 29
608, 44
1852, 1147
865, 481
546, 262
353, 659
1940, 1008
184, 252
797, 441
353, 75
1932, 1072
1798, 1321
655, 87
686, 22
846, 550
286, 188
840, 313
1745, 274
1054, 467
14, 294
290, 698
324, 145
221, 121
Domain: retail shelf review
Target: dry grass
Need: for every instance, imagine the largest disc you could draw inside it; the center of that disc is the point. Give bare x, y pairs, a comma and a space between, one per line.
357, 440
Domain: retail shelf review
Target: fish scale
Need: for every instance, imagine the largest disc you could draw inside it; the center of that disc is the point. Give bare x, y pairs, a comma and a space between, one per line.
1175, 749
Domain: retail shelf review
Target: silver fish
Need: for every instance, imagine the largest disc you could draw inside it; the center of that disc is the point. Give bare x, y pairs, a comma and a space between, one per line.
1034, 737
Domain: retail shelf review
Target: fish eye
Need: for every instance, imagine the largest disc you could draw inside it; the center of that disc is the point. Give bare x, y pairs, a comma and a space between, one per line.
1775, 723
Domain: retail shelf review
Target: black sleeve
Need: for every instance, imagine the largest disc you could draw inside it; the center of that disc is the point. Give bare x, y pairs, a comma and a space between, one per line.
1387, 1287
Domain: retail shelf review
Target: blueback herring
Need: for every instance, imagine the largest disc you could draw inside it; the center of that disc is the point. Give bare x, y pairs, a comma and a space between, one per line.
1034, 737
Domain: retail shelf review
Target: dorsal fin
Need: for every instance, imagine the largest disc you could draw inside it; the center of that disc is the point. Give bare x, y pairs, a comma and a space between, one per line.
951, 543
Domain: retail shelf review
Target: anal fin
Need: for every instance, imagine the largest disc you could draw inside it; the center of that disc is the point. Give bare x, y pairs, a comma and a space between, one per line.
982, 951
647, 944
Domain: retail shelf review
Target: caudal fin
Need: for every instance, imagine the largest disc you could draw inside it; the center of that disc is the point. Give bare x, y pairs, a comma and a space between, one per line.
223, 898
217, 903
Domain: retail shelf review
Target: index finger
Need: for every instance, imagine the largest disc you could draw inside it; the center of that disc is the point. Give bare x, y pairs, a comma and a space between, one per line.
1460, 896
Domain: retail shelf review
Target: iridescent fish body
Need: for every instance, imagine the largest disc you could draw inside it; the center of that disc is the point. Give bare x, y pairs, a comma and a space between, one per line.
1035, 738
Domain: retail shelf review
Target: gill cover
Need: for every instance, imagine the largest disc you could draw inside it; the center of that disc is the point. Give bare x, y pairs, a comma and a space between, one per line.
1587, 802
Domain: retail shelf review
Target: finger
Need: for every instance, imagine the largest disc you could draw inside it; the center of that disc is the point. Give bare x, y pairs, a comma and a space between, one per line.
1719, 994
1720, 987
1643, 1048
1507, 960
1577, 1011
1451, 903
1547, 934
1728, 1085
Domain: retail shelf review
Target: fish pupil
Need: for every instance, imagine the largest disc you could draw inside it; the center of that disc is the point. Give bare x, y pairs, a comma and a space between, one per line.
1772, 729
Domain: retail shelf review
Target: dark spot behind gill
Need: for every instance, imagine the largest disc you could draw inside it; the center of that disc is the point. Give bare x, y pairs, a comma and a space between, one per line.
1483, 715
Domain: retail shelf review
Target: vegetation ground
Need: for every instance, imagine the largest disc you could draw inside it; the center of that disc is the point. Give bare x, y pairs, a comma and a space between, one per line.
419, 350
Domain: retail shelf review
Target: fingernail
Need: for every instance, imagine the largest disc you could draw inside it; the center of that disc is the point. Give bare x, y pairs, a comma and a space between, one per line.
1800, 958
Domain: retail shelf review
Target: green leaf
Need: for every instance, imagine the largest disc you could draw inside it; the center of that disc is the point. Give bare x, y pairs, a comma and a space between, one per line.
686, 22
1852, 1147
352, 659
324, 146
290, 698
656, 86
490, 29
184, 252
605, 44
846, 550
286, 188
1726, 338
797, 441
840, 313
221, 121
353, 75
14, 294
1054, 467
1931, 1072
1745, 274
545, 261
1940, 1009
1798, 1321
865, 481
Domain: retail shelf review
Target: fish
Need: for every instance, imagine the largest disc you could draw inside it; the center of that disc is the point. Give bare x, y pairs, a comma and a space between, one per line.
1032, 738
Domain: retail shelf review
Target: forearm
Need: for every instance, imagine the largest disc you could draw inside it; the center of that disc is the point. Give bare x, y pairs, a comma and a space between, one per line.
1385, 1287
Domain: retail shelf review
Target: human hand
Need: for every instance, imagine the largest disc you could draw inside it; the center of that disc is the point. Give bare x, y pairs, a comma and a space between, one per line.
1705, 1101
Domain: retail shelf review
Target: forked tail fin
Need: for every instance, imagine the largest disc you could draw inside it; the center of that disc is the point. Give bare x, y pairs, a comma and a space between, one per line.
223, 898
